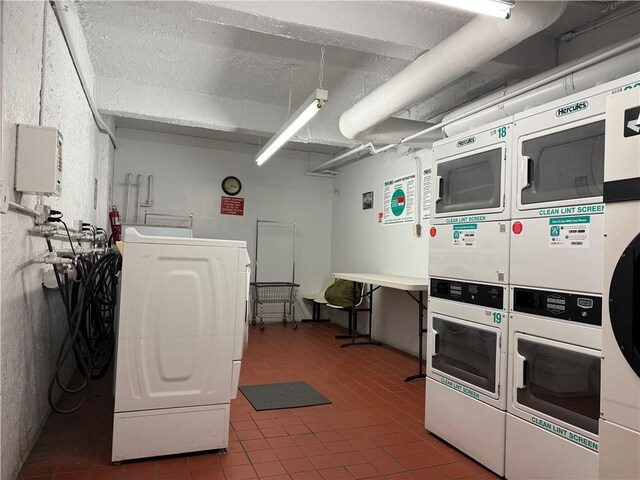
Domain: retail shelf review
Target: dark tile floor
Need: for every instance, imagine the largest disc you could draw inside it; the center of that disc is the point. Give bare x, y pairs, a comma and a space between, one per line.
374, 427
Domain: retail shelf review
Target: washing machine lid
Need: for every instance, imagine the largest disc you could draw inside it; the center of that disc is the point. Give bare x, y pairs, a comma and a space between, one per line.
131, 235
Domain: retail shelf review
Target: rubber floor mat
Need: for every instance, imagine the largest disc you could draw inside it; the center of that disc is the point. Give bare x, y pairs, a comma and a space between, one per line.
274, 396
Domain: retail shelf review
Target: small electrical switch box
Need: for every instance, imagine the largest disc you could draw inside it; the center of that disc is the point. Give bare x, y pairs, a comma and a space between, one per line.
39, 160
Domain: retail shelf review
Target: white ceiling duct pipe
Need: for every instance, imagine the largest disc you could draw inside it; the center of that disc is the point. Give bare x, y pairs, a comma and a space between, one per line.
393, 130
480, 40
615, 67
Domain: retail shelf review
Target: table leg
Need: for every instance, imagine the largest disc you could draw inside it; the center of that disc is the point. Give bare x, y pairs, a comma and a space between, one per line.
421, 331
355, 315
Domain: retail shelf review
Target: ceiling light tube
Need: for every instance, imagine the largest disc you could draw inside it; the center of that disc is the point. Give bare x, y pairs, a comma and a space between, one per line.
494, 8
299, 119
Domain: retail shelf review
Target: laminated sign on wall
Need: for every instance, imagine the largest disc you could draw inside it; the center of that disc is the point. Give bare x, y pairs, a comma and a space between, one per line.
399, 200
426, 194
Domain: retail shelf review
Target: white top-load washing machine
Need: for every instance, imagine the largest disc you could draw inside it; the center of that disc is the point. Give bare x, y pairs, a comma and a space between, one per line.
180, 338
467, 368
557, 207
620, 419
470, 207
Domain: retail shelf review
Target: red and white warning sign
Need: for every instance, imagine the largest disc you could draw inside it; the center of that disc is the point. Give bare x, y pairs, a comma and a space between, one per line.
232, 206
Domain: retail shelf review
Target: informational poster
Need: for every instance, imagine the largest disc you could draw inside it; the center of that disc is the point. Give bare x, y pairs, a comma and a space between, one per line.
232, 206
426, 194
465, 235
399, 200
569, 232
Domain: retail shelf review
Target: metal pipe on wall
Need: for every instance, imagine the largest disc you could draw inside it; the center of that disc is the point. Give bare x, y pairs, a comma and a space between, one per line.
631, 44
570, 81
126, 206
61, 14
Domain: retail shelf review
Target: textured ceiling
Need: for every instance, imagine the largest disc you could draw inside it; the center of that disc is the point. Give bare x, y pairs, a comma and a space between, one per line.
240, 58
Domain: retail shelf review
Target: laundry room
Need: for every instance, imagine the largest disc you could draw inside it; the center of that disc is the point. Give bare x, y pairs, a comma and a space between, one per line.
319, 240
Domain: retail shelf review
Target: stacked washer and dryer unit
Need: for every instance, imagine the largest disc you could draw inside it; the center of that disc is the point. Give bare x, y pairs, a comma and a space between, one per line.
468, 301
181, 332
555, 333
535, 292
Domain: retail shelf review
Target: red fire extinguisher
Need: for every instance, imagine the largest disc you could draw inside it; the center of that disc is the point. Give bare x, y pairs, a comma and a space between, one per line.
116, 223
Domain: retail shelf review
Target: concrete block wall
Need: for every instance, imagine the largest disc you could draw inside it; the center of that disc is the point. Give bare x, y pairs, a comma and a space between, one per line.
40, 86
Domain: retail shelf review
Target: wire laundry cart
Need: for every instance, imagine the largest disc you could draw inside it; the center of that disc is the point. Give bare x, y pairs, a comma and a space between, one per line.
268, 297
275, 298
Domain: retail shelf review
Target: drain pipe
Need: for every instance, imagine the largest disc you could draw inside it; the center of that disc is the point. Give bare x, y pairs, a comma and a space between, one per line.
473, 45
126, 205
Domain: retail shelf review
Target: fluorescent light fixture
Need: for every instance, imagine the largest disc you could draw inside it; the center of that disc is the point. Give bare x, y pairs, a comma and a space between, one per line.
494, 8
299, 119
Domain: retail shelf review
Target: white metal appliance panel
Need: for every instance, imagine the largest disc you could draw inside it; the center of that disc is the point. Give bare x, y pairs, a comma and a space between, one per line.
475, 428
563, 253
177, 325
533, 453
488, 137
568, 336
470, 251
618, 456
481, 318
169, 431
620, 383
241, 338
131, 235
581, 108
621, 153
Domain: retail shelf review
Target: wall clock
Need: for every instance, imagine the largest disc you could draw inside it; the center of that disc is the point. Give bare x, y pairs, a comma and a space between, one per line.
231, 185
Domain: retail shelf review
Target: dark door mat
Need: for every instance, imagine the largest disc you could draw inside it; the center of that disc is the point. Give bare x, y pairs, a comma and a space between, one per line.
274, 396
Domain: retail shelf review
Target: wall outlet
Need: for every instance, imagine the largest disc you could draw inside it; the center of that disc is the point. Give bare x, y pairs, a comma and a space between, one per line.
4, 199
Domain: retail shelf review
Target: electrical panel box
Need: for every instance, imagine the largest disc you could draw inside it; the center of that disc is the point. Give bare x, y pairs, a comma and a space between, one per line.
39, 160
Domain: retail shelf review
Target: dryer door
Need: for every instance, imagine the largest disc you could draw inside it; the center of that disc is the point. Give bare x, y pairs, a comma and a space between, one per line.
467, 354
472, 183
177, 326
561, 167
624, 304
557, 387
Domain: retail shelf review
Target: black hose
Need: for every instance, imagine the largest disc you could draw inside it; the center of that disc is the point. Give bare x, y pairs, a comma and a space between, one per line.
90, 306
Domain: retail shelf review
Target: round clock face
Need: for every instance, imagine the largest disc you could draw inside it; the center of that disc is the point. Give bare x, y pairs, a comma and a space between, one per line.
231, 185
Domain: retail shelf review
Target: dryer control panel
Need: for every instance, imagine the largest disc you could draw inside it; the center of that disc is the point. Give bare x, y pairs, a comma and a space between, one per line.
564, 306
482, 294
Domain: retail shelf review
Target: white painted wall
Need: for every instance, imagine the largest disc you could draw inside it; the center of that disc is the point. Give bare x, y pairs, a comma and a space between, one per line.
1, 161
188, 172
361, 244
36, 61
